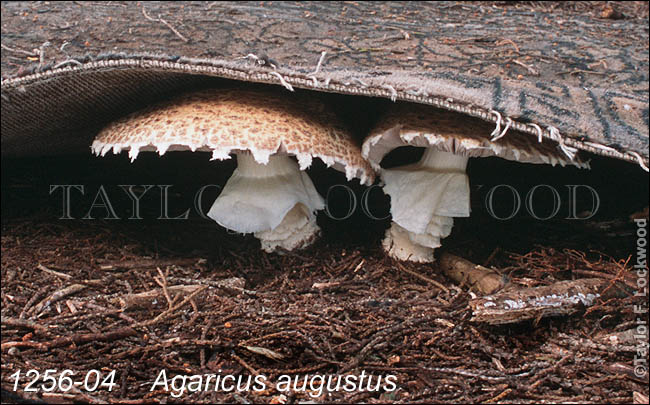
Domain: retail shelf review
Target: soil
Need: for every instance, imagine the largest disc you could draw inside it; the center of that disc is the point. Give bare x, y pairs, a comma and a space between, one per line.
186, 297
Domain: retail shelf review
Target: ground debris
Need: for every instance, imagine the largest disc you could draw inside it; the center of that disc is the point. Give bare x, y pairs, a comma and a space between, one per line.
191, 299
299, 318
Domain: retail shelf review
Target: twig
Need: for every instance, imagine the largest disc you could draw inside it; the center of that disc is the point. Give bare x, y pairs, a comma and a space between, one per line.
250, 368
596, 64
135, 264
233, 283
162, 282
271, 354
421, 277
120, 314
586, 343
530, 69
24, 323
56, 273
508, 41
203, 335
173, 309
576, 71
322, 286
554, 366
159, 19
382, 336
473, 374
76, 339
145, 299
30, 303
619, 277
5, 47
498, 397
244, 364
56, 296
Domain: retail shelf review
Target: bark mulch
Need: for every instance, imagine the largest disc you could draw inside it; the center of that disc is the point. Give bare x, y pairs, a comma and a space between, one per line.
143, 296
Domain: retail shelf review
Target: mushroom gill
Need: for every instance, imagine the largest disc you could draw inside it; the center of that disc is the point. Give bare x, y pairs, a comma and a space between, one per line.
427, 195
268, 194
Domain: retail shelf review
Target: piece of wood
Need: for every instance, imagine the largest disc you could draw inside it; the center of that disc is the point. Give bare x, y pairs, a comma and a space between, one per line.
147, 299
56, 296
479, 278
76, 339
516, 305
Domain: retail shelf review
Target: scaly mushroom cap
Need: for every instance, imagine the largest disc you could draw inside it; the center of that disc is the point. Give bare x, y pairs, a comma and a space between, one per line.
267, 194
425, 126
225, 121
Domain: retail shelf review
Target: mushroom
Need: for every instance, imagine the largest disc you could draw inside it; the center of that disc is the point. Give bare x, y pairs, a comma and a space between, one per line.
268, 194
427, 195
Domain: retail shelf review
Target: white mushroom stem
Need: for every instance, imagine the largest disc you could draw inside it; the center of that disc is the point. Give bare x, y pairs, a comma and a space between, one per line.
276, 201
425, 197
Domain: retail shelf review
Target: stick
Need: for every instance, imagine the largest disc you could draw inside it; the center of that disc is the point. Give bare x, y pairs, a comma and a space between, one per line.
76, 339
422, 277
530, 69
18, 51
170, 311
168, 25
508, 41
145, 299
56, 296
162, 282
561, 298
56, 273
480, 279
24, 323
136, 264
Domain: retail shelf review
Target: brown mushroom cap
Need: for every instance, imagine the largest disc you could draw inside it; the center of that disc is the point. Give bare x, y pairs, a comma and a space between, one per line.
425, 126
225, 121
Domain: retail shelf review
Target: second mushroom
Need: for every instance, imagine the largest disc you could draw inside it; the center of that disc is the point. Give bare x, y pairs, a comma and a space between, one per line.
268, 194
427, 195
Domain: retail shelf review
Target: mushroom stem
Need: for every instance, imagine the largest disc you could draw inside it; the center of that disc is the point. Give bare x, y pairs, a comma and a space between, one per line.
276, 201
425, 197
